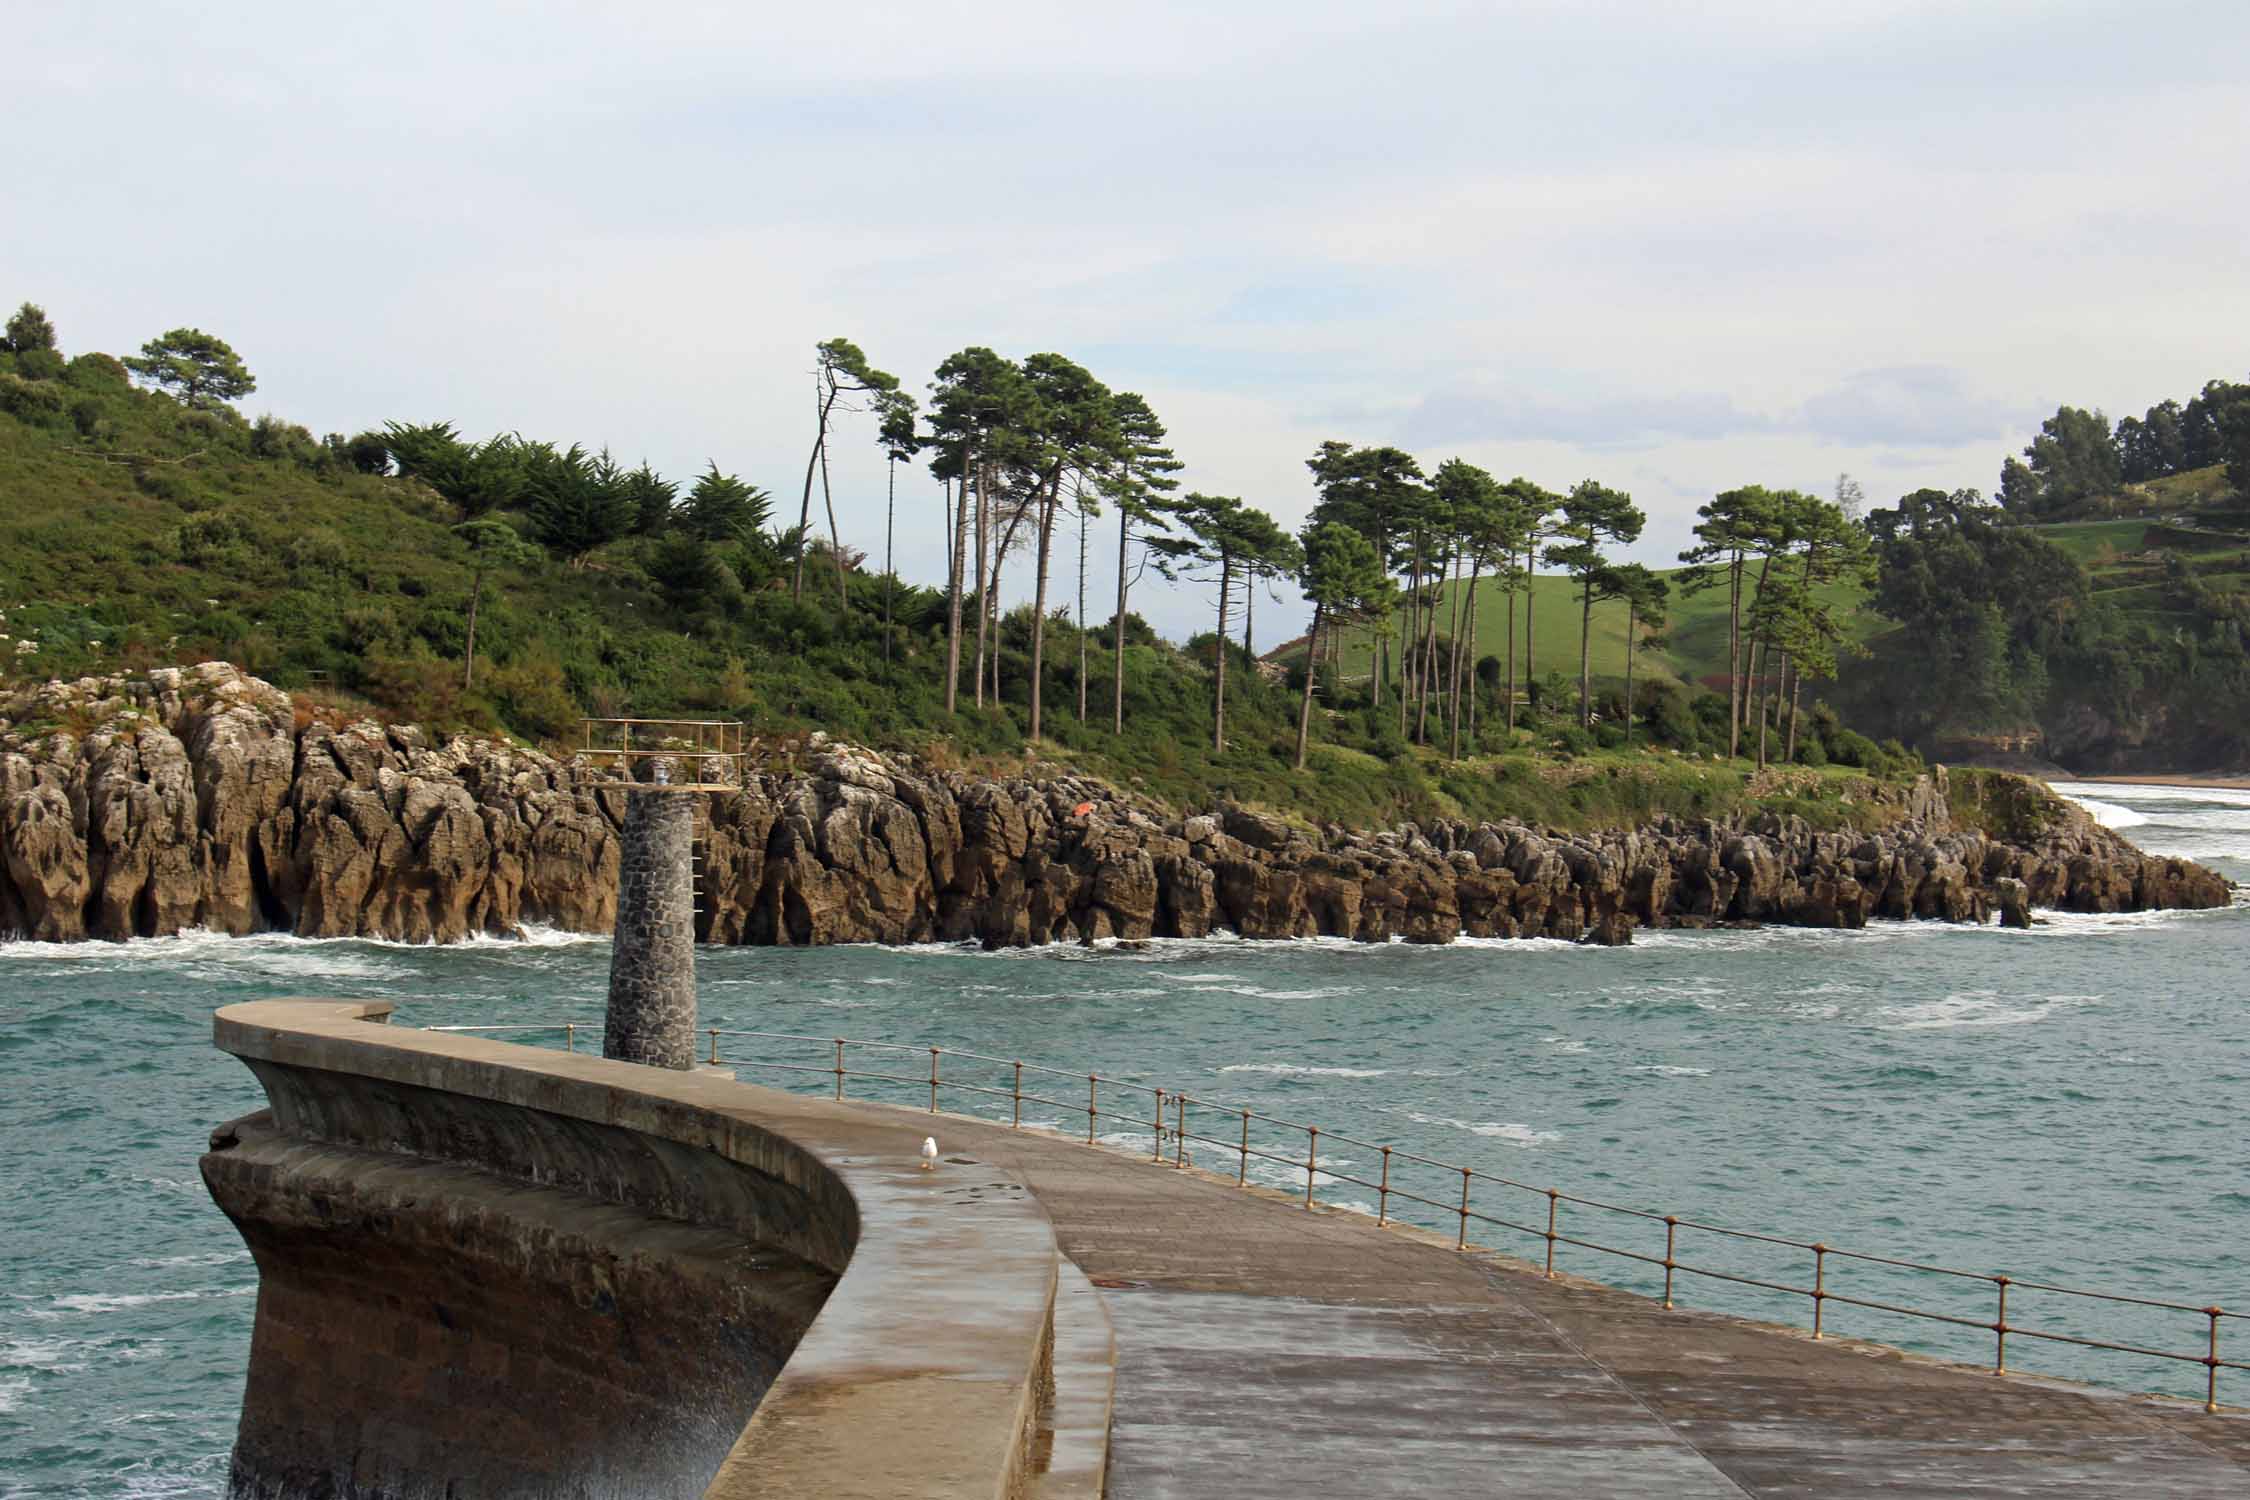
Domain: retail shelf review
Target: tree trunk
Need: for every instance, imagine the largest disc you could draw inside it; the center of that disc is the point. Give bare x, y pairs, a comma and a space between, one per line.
1117, 626
1530, 594
1796, 688
1586, 653
958, 554
1249, 605
999, 559
1511, 694
1047, 508
1304, 706
1632, 629
821, 406
1765, 567
1758, 683
1470, 682
469, 666
890, 526
1426, 678
1407, 620
1464, 683
835, 537
1734, 655
1079, 492
984, 536
1219, 650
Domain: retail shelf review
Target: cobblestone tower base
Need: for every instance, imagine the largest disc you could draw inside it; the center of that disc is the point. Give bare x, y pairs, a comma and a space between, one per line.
651, 1016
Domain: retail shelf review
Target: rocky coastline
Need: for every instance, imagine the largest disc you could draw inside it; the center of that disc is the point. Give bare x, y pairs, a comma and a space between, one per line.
147, 805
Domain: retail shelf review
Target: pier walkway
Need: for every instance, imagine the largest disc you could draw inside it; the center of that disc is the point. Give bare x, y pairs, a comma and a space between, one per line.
1263, 1350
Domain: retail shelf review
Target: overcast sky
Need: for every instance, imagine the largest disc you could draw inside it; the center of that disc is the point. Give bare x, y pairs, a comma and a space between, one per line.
1675, 247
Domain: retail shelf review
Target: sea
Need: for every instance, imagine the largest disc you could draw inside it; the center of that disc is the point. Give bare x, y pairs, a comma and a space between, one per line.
2065, 1105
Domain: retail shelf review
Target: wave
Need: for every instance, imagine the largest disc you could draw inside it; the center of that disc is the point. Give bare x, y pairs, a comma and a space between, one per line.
12, 1393
2110, 814
1513, 1133
1292, 1070
1252, 992
282, 950
84, 1303
1978, 1008
1669, 1070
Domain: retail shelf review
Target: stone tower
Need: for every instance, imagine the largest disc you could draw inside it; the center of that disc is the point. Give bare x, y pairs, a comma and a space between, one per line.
651, 1017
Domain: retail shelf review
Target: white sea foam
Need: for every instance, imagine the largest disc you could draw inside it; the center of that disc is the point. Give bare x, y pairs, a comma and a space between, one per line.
12, 1393
1669, 1070
1564, 1044
1292, 1070
1978, 1008
1253, 992
1504, 1130
58, 1355
2110, 814
209, 1258
83, 1303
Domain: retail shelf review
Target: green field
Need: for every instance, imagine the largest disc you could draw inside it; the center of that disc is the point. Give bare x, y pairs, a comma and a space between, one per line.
1692, 646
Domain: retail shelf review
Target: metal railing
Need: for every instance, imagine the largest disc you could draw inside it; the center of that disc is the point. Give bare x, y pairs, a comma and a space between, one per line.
1164, 1116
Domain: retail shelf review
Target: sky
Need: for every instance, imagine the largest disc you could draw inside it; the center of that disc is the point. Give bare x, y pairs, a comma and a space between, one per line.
1677, 248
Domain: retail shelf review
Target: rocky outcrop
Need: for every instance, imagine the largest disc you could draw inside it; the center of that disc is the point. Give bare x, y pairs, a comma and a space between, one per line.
205, 798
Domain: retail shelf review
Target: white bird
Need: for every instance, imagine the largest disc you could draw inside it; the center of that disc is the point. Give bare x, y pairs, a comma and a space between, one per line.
929, 1153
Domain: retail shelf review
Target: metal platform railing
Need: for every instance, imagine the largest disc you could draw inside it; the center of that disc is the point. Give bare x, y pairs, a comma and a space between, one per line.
1166, 1116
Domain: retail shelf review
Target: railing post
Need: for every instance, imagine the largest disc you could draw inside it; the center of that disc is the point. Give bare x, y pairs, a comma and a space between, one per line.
1553, 1198
1461, 1241
933, 1080
1242, 1173
1179, 1129
570, 1036
1671, 1242
1092, 1105
2000, 1329
714, 1044
2211, 1363
1156, 1132
1312, 1159
1017, 1122
1819, 1286
839, 1068
1383, 1192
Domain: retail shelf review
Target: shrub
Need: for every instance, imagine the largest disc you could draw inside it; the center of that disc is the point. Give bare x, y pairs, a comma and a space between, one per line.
215, 540
38, 402
39, 364
534, 695
98, 372
315, 556
1810, 751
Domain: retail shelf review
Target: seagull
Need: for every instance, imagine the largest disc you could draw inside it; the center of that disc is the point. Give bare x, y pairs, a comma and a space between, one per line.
929, 1153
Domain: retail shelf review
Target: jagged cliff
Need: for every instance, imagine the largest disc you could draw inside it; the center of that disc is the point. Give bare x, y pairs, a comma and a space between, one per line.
201, 797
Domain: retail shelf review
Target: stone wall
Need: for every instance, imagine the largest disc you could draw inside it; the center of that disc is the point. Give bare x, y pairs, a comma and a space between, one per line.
528, 1274
201, 802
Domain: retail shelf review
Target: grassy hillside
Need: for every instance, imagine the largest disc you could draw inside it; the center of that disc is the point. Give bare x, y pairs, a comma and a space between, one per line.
1692, 648
135, 532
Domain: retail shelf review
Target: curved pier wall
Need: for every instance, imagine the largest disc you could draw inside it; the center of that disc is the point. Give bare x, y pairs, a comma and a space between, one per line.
507, 1271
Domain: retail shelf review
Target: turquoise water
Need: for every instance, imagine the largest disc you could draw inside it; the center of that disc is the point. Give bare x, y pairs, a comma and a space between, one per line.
2064, 1104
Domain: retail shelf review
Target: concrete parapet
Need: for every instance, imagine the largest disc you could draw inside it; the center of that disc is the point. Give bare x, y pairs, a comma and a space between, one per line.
531, 1273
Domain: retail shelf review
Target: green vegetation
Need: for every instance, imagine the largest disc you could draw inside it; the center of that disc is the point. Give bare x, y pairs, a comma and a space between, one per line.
513, 584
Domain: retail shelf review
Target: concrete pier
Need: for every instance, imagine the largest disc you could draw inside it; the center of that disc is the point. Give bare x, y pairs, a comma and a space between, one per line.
1034, 1317
651, 1017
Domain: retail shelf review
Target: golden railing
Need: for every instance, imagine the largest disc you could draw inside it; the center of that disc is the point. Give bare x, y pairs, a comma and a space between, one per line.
1166, 1115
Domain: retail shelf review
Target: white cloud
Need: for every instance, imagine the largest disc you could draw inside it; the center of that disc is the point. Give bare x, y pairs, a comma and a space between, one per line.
1681, 247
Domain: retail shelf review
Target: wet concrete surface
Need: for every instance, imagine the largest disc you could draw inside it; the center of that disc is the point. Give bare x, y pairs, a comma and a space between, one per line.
1267, 1351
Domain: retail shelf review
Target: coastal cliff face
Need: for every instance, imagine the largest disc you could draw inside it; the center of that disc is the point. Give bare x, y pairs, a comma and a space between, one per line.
201, 797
